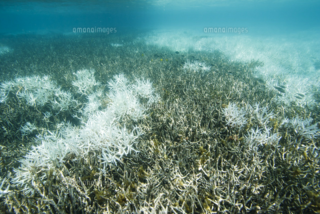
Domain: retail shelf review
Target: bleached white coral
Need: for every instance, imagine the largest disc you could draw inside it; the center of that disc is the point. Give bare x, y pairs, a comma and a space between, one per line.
28, 128
52, 148
38, 91
5, 88
125, 103
120, 143
33, 89
125, 98
101, 132
4, 49
235, 117
143, 88
119, 83
261, 115
257, 137
46, 116
33, 165
292, 89
303, 127
5, 191
196, 66
93, 103
85, 81
40, 159
63, 101
116, 45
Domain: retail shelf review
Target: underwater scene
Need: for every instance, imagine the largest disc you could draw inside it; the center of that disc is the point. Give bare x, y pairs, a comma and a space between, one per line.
159, 106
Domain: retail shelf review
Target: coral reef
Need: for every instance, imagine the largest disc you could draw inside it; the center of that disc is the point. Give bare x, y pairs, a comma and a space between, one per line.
235, 117
101, 133
157, 139
4, 49
196, 66
85, 81
38, 91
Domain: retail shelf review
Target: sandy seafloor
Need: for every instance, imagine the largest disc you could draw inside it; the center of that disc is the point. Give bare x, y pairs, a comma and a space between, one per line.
233, 127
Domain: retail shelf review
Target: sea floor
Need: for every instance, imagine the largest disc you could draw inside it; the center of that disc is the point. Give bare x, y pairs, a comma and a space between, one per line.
190, 129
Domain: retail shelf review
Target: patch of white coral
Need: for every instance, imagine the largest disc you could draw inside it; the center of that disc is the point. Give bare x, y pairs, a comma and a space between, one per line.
93, 104
235, 116
196, 66
304, 128
257, 137
28, 128
116, 45
260, 115
101, 133
38, 91
292, 89
85, 81
4, 49
4, 191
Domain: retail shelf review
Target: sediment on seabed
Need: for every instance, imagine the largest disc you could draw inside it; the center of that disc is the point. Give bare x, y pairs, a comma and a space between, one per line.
215, 138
